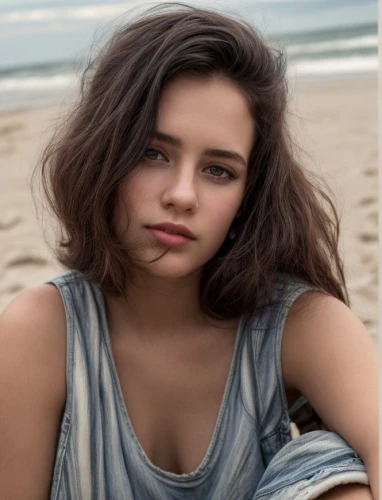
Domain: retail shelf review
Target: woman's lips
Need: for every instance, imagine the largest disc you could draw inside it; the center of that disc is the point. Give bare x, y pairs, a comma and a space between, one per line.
170, 227
173, 240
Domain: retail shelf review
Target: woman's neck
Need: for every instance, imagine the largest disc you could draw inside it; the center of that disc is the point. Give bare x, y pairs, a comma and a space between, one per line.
154, 304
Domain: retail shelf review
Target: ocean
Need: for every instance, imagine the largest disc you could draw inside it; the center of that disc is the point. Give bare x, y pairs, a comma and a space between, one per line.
44, 44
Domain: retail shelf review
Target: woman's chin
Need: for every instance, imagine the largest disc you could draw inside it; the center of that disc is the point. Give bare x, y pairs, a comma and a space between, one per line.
170, 272
171, 266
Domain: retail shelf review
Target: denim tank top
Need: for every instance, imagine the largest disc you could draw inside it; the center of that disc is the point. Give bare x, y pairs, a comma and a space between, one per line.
98, 455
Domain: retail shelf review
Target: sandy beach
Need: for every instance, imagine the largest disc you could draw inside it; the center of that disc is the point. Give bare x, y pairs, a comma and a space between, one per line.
335, 122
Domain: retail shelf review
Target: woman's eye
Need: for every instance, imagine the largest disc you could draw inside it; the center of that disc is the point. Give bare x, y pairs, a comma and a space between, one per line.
153, 152
218, 171
220, 174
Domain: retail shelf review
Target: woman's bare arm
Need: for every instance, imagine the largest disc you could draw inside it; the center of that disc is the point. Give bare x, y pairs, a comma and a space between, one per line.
329, 357
32, 391
348, 492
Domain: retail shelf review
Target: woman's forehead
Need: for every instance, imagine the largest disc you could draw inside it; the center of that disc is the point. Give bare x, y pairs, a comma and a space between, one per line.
211, 113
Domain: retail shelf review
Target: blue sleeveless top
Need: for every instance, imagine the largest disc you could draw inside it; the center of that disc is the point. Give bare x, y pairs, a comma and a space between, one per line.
98, 455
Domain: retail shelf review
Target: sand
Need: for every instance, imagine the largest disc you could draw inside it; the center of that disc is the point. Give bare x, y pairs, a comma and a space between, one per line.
337, 127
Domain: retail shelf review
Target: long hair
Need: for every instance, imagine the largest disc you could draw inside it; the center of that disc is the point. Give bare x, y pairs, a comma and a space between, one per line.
288, 223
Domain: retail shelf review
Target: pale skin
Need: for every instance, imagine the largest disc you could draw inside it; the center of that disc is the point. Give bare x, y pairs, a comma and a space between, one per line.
327, 354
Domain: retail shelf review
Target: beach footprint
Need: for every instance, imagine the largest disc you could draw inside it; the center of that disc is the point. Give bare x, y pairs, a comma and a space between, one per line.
368, 236
373, 216
369, 206
9, 220
370, 172
26, 260
367, 201
10, 128
15, 288
8, 133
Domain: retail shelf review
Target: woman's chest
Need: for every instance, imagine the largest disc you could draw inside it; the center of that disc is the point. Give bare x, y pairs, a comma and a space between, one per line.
173, 400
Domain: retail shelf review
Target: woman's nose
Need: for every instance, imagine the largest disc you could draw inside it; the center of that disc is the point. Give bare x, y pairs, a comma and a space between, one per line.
180, 193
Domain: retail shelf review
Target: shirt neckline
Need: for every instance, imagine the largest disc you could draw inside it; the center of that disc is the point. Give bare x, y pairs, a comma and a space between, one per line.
203, 466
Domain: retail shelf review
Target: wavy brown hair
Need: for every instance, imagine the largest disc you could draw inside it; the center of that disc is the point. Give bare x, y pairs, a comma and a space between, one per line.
288, 223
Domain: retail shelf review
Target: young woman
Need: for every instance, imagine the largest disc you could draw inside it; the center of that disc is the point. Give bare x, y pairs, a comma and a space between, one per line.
205, 297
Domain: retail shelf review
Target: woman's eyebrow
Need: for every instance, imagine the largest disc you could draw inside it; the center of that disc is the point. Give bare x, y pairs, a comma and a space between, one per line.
218, 153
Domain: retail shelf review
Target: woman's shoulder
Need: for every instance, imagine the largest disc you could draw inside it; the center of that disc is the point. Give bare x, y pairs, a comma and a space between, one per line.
32, 389
37, 306
317, 326
33, 329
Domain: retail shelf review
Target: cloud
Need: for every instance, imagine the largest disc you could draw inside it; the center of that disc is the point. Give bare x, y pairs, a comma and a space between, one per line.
65, 13
94, 12
37, 30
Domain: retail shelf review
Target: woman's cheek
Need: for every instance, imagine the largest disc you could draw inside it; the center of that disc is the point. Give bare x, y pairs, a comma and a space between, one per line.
226, 215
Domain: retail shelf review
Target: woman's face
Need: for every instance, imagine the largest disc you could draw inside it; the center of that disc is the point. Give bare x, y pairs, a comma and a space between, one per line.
181, 183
